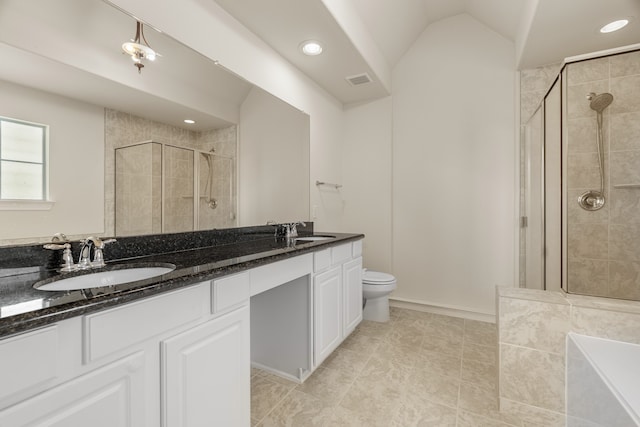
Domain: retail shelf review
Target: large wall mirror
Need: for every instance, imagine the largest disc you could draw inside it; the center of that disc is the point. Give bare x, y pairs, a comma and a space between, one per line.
120, 158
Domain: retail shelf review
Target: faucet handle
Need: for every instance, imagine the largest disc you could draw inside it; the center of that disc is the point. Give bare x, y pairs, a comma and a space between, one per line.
67, 256
55, 246
292, 230
100, 244
98, 253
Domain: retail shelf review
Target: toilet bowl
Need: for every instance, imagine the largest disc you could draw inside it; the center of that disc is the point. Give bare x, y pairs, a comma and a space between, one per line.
376, 287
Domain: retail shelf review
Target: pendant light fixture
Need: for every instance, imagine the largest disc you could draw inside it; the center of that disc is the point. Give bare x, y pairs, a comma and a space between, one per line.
139, 48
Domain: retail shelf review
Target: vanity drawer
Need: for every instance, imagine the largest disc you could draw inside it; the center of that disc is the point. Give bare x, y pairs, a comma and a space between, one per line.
229, 291
122, 327
272, 275
321, 260
356, 249
340, 253
28, 361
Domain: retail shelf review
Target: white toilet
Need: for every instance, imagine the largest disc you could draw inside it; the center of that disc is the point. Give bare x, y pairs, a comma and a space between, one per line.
376, 287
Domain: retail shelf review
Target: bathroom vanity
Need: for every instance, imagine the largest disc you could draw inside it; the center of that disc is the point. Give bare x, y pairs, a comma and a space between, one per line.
177, 350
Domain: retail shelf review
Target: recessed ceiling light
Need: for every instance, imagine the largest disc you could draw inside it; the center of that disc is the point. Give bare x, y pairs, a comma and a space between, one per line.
311, 47
614, 26
189, 121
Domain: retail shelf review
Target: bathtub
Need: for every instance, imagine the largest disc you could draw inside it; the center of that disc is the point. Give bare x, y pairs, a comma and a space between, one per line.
603, 382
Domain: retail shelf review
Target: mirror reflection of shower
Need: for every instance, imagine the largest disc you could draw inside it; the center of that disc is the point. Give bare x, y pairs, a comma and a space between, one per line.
593, 200
212, 203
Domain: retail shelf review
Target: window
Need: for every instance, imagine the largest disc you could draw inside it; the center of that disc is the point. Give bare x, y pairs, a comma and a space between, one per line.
23, 168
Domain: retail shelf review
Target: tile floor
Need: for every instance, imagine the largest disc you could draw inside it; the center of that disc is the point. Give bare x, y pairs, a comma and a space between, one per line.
420, 369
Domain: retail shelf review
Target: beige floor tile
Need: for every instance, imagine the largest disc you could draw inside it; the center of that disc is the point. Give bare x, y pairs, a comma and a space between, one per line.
347, 360
469, 419
483, 333
360, 342
265, 395
413, 322
480, 353
415, 412
413, 314
328, 385
408, 356
374, 329
343, 417
430, 387
479, 400
442, 328
483, 374
447, 344
383, 370
278, 379
409, 336
440, 363
373, 400
298, 409
419, 369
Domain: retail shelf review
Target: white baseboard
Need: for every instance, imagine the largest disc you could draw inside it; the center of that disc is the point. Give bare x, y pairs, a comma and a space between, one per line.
440, 309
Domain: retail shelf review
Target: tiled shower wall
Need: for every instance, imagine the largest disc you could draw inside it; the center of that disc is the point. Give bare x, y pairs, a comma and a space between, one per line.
604, 245
532, 330
123, 129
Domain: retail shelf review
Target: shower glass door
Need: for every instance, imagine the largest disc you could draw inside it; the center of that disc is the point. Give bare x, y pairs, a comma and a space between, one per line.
177, 203
532, 218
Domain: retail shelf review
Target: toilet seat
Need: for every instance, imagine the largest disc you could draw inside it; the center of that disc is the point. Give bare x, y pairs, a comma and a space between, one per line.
371, 277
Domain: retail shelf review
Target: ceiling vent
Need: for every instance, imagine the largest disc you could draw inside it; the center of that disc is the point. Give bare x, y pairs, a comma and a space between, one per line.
359, 79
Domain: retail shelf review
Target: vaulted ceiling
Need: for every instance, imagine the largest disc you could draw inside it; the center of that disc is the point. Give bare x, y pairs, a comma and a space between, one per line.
370, 36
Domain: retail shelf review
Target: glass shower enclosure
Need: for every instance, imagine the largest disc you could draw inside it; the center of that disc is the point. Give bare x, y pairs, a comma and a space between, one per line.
580, 192
162, 188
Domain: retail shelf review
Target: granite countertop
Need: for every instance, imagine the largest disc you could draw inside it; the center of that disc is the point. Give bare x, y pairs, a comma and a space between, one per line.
23, 307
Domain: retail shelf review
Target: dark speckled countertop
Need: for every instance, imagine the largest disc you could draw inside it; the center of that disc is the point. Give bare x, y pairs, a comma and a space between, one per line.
198, 256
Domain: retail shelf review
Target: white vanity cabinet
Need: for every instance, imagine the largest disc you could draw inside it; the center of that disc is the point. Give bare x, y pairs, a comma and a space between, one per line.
204, 373
352, 295
177, 359
183, 358
112, 396
327, 293
337, 290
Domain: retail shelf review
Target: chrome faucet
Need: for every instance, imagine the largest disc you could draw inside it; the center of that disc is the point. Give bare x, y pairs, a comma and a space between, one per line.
60, 241
67, 257
98, 245
291, 229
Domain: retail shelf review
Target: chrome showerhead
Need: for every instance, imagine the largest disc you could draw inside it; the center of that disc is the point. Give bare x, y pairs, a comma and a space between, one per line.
600, 102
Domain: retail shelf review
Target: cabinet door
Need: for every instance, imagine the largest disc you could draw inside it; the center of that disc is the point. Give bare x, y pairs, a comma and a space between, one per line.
206, 374
327, 291
112, 396
352, 299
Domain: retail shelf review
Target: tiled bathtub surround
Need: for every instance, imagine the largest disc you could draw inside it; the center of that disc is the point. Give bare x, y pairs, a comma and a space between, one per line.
603, 249
532, 329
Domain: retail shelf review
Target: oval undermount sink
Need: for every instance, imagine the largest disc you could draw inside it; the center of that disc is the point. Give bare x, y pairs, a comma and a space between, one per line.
314, 238
112, 277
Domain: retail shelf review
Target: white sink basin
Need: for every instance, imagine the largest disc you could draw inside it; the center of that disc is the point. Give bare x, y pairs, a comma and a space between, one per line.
103, 278
314, 238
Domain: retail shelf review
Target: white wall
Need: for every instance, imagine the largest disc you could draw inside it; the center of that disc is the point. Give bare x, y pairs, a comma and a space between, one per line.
453, 166
367, 179
273, 156
76, 146
207, 28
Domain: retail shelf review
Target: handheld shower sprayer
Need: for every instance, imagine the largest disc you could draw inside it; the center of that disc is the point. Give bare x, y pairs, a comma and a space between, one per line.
593, 200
